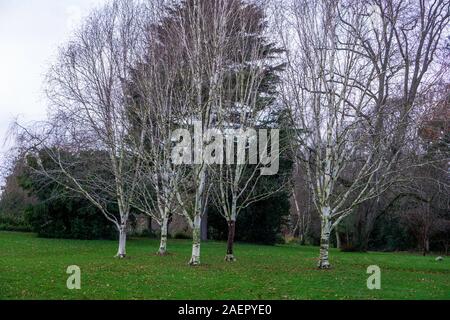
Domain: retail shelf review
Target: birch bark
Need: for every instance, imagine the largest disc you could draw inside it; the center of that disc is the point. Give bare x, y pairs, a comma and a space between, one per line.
196, 230
121, 252
325, 231
163, 243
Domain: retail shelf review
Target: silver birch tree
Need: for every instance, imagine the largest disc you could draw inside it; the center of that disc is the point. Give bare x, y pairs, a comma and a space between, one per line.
325, 89
88, 113
246, 104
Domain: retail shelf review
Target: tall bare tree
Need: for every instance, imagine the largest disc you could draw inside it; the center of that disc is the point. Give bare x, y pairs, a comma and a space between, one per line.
207, 36
88, 114
245, 104
325, 87
155, 110
355, 72
402, 41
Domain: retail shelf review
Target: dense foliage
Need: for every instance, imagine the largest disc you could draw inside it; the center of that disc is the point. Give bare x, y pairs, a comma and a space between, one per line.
60, 213
68, 218
260, 223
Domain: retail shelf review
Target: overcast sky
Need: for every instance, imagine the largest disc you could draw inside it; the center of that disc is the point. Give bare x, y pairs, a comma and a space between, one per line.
30, 33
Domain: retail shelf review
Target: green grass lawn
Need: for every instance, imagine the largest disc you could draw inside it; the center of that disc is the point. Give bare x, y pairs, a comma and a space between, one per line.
35, 268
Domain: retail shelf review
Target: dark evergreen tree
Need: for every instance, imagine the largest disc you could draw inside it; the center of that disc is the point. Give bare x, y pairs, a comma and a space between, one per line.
59, 212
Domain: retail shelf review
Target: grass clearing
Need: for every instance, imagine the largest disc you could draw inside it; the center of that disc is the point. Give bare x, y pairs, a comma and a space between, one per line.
35, 268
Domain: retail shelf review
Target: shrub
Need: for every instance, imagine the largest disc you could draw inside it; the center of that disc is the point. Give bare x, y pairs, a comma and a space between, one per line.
13, 224
70, 219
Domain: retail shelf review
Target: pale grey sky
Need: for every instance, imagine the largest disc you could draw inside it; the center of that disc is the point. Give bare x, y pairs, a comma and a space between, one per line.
30, 33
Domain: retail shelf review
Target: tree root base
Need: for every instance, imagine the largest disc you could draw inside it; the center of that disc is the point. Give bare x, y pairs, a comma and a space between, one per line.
120, 256
194, 263
325, 266
230, 258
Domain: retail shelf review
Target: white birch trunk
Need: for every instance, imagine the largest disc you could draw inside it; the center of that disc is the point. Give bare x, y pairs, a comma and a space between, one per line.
121, 252
163, 243
195, 258
324, 240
